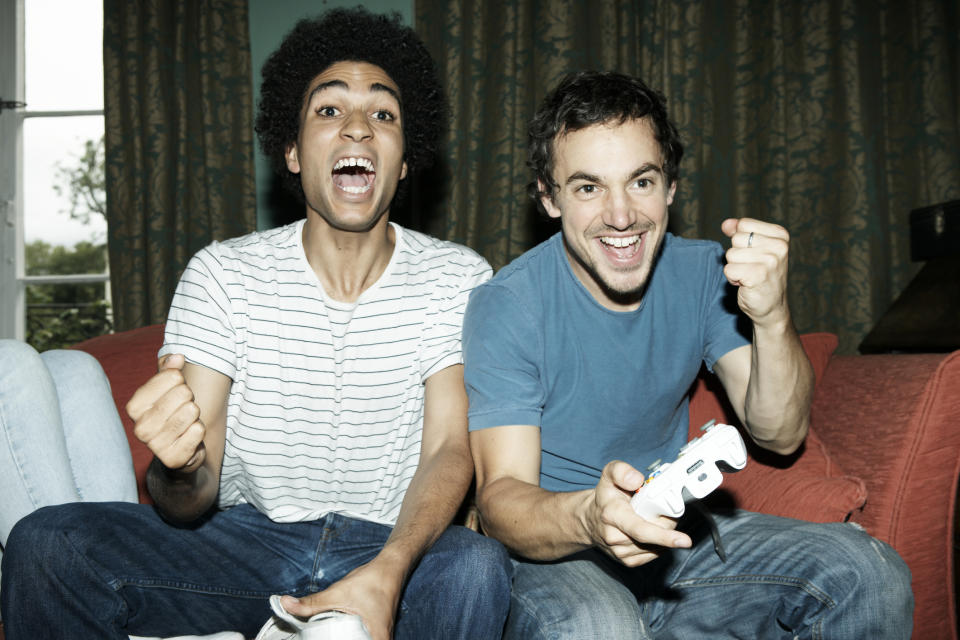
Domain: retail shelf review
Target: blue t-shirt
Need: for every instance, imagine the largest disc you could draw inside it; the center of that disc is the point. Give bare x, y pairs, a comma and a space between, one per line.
601, 385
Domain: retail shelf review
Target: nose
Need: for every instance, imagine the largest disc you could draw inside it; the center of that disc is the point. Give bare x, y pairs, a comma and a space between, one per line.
356, 127
618, 213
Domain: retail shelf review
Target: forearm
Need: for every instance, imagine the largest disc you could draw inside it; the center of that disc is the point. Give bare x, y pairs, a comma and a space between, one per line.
780, 391
533, 522
435, 494
181, 496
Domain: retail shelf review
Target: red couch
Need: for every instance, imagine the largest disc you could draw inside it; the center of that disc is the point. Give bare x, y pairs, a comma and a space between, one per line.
884, 451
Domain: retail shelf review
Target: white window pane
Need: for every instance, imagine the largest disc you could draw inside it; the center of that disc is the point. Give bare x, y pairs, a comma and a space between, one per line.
64, 54
53, 151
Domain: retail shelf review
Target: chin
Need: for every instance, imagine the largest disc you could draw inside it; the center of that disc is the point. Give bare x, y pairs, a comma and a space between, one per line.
620, 286
354, 223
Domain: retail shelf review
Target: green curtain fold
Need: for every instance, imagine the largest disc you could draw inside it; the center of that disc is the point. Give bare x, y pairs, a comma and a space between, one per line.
179, 142
833, 118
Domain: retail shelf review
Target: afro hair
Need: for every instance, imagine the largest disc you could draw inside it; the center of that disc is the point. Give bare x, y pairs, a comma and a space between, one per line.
349, 35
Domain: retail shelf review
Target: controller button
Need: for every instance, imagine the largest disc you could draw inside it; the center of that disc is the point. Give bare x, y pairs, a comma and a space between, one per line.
696, 465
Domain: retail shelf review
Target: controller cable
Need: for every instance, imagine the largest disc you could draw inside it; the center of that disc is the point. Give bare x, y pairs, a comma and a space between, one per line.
714, 532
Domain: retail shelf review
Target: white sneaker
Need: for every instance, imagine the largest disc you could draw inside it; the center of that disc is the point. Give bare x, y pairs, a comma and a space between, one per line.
327, 625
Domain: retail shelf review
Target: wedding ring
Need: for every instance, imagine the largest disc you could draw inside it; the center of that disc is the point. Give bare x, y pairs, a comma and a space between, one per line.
750, 240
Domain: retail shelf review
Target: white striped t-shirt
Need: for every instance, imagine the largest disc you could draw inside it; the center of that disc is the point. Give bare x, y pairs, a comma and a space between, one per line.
326, 407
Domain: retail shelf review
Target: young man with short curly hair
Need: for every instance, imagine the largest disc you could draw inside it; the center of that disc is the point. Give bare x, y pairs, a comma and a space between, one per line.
309, 417
579, 358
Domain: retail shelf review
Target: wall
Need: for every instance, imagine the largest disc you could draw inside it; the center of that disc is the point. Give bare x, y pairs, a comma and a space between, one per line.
270, 20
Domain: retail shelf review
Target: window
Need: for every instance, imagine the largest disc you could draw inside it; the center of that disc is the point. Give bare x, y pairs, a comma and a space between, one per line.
54, 287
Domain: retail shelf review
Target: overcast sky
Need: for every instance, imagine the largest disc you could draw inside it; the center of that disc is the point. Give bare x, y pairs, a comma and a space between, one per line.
64, 70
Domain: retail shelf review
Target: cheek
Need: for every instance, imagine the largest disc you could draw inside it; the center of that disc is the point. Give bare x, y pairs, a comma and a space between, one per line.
584, 214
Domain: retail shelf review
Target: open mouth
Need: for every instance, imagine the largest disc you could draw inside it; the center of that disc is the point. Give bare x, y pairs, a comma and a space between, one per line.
622, 247
354, 175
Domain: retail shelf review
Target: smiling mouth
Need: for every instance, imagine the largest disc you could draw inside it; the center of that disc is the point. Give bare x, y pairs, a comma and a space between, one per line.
354, 175
622, 247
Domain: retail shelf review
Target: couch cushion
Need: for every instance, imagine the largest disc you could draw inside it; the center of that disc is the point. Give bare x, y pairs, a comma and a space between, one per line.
807, 484
129, 358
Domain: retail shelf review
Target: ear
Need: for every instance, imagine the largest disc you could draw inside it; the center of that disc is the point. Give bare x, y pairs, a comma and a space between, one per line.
293, 160
546, 200
403, 170
671, 191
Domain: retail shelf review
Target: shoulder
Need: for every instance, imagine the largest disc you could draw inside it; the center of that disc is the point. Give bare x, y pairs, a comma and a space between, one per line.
689, 259
260, 250
528, 276
438, 258
259, 243
515, 294
691, 248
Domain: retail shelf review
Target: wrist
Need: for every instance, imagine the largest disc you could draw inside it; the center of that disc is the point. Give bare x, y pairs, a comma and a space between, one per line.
775, 324
394, 564
583, 511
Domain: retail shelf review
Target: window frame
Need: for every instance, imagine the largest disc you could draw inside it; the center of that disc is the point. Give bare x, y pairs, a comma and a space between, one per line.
13, 278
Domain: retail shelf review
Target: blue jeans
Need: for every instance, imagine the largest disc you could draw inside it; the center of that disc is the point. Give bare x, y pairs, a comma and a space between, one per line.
783, 579
107, 570
61, 439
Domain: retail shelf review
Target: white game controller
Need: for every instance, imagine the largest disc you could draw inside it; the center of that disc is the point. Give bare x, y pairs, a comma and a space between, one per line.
329, 625
694, 474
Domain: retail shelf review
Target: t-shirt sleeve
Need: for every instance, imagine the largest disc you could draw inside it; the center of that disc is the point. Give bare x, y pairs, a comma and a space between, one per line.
725, 326
199, 323
501, 344
442, 334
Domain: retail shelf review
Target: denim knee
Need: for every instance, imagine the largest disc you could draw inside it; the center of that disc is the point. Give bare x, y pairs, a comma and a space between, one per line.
33, 560
577, 597
876, 562
78, 363
37, 538
16, 355
479, 560
875, 582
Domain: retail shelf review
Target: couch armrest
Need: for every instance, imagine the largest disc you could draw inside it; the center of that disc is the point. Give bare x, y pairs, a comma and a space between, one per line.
894, 421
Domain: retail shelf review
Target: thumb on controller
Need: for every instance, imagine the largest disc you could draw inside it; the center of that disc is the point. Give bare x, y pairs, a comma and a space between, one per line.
623, 476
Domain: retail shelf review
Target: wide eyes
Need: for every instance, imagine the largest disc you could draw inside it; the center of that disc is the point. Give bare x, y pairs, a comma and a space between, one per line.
590, 190
380, 115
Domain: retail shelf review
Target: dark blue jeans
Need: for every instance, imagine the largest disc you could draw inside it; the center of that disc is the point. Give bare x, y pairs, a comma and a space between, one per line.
783, 579
109, 570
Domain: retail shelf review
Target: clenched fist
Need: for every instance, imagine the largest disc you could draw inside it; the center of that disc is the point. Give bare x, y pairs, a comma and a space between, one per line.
167, 418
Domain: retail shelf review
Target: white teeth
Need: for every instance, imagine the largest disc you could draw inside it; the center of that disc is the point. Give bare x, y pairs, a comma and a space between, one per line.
363, 189
619, 242
354, 162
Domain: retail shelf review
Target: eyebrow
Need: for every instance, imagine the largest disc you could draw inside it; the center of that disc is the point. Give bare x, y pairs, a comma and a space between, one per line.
589, 177
340, 84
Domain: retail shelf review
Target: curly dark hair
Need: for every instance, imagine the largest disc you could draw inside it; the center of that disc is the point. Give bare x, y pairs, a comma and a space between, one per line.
587, 98
349, 35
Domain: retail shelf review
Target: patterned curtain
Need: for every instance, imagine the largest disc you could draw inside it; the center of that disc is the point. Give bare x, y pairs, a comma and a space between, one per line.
834, 118
179, 142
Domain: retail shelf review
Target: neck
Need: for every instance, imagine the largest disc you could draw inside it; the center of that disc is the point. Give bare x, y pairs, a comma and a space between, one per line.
347, 263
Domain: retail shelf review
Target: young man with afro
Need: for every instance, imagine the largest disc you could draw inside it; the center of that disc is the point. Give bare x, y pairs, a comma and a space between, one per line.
308, 420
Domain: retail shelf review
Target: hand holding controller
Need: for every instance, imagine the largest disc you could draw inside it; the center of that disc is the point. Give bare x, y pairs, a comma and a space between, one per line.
328, 625
695, 473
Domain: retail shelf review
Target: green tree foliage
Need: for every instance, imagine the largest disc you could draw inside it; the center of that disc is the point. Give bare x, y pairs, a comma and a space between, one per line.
84, 184
59, 315
44, 259
62, 327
